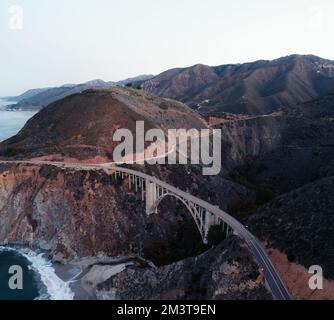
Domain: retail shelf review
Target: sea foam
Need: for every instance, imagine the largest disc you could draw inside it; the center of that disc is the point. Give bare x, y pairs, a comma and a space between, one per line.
57, 289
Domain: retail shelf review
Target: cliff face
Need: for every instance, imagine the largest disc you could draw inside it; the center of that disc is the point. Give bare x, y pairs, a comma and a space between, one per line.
71, 213
249, 138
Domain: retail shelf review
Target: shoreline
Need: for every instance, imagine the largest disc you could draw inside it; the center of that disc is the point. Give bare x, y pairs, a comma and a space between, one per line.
76, 279
85, 274
72, 274
56, 278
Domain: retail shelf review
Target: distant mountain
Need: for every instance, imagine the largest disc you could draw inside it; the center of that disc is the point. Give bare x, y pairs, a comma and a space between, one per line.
136, 81
28, 94
259, 87
36, 99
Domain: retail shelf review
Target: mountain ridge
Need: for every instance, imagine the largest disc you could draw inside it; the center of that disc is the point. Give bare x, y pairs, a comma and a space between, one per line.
36, 99
258, 87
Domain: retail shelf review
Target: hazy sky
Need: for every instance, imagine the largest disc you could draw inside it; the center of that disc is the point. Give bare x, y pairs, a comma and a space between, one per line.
71, 41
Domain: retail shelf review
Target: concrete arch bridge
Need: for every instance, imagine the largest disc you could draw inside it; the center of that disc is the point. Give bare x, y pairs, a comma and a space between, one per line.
206, 215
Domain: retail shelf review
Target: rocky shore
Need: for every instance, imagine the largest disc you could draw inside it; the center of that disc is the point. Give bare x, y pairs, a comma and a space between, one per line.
226, 272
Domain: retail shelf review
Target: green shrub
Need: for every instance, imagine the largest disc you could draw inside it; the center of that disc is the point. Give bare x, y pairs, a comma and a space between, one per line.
11, 152
163, 105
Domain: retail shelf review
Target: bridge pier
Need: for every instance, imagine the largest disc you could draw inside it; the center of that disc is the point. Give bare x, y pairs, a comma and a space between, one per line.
151, 197
209, 221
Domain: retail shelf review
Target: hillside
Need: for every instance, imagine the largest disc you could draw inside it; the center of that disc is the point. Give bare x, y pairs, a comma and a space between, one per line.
82, 125
300, 224
259, 87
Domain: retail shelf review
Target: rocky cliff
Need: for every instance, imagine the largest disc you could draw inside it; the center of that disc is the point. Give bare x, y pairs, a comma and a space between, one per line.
249, 138
227, 272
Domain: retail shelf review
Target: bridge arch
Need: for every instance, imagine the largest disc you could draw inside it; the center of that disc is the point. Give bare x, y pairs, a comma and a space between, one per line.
195, 213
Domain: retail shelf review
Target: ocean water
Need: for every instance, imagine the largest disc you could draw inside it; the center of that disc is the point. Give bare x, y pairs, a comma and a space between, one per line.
11, 122
30, 290
40, 281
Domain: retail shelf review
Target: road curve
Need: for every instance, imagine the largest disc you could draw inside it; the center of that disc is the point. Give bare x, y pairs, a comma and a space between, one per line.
272, 278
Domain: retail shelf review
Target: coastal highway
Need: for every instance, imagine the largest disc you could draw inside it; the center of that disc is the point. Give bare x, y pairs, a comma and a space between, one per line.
273, 281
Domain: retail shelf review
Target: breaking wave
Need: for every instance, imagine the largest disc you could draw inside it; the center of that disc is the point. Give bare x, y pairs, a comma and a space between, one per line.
55, 288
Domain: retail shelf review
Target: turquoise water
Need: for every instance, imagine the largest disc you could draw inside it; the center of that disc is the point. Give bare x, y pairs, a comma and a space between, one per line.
11, 122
